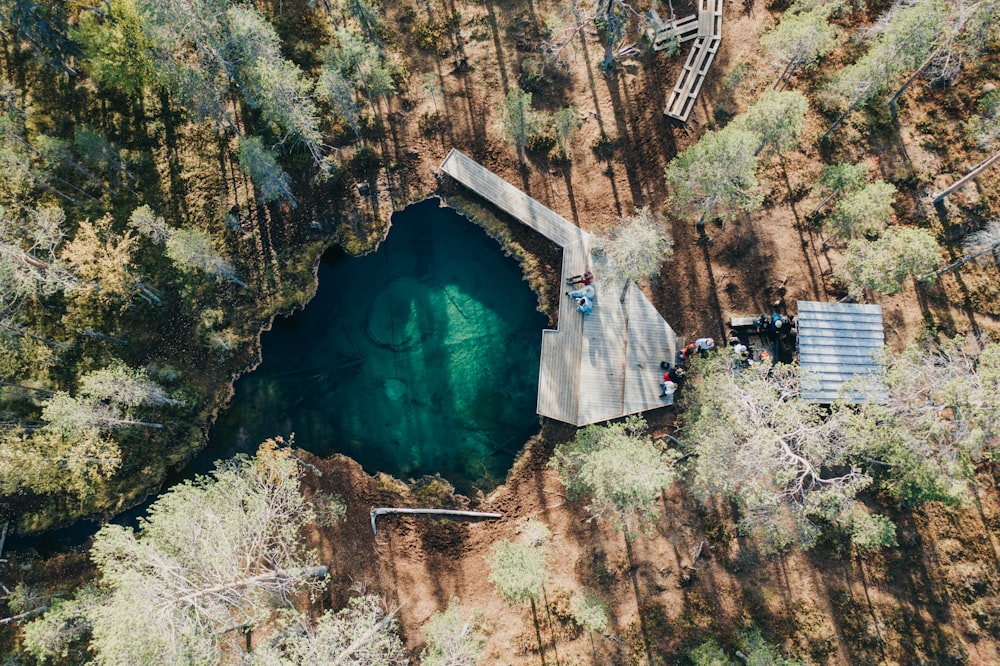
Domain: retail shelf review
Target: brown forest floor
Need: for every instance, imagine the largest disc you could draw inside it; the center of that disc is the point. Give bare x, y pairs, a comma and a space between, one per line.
934, 599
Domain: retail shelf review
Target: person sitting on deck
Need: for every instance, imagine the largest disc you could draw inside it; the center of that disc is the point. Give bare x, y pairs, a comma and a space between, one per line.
668, 388
587, 291
584, 305
585, 279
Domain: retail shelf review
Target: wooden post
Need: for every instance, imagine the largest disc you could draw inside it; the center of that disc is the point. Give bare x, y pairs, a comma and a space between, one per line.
376, 512
976, 170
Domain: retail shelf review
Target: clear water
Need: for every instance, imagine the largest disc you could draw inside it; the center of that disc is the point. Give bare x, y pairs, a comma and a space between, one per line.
420, 358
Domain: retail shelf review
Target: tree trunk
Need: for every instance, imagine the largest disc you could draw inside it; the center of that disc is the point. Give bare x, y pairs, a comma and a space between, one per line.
976, 170
839, 120
538, 631
144, 424
311, 572
23, 616
961, 262
375, 513
913, 77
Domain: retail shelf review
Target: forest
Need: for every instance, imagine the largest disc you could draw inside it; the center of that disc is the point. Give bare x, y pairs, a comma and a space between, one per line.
173, 171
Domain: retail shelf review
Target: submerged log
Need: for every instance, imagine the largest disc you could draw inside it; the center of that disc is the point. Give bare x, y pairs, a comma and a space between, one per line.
376, 512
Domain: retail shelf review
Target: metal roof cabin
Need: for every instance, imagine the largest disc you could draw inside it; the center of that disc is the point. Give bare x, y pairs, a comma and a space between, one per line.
838, 342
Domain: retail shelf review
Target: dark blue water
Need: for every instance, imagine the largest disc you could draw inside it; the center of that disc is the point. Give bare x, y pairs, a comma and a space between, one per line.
420, 358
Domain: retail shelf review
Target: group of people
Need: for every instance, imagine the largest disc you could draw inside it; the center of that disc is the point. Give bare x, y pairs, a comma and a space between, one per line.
584, 296
674, 375
773, 325
672, 378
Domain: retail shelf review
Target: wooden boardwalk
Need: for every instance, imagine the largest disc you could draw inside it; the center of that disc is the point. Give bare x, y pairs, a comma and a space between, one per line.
595, 367
692, 76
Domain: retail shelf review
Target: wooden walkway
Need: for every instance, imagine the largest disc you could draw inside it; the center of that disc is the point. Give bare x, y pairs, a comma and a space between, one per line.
595, 367
692, 76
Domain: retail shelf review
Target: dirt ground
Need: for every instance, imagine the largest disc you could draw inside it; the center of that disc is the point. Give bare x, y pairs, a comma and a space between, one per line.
934, 599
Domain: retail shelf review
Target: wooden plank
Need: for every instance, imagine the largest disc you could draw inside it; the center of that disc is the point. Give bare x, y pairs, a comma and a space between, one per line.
865, 322
511, 200
602, 359
650, 341
704, 19
847, 308
683, 30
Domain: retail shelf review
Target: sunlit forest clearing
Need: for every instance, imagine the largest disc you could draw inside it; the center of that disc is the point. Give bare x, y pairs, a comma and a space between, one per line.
176, 176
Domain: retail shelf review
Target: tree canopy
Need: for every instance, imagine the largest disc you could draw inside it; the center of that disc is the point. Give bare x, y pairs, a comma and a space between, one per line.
620, 469
717, 176
790, 466
213, 554
636, 248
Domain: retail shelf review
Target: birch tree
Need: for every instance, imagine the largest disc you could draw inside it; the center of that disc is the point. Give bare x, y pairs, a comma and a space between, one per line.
940, 416
194, 250
635, 249
902, 37
215, 554
518, 570
106, 400
270, 82
362, 633
46, 461
519, 121
776, 119
865, 211
455, 637
260, 164
800, 40
983, 129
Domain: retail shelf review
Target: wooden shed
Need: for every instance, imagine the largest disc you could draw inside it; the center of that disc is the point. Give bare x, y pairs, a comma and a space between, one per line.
839, 342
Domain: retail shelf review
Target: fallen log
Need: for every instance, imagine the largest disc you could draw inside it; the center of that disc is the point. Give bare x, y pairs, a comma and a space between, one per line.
976, 170
384, 511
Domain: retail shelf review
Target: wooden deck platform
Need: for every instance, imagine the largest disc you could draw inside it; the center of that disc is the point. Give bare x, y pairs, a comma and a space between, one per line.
699, 60
595, 367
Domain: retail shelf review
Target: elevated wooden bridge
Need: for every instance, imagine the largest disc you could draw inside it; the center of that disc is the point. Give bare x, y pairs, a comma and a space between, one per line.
707, 34
593, 367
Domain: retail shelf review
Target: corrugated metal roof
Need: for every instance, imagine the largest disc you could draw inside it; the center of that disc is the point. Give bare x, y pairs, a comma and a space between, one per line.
838, 342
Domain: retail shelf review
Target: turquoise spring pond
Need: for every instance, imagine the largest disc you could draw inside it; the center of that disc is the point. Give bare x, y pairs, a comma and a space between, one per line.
420, 358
